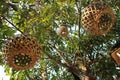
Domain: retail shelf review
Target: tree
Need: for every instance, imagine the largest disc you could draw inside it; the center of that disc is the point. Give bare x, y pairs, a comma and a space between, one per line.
77, 56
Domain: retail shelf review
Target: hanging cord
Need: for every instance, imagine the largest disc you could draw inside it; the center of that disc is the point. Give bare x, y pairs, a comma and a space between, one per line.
13, 25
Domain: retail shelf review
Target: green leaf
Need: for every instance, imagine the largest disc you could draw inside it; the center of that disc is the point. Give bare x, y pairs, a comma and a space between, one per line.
13, 6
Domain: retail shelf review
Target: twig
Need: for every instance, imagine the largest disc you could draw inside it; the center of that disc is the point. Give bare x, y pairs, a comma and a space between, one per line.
56, 61
13, 25
59, 53
78, 4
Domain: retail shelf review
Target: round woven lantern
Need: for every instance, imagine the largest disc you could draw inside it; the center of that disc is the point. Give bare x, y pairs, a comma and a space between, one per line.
97, 18
116, 56
63, 31
21, 52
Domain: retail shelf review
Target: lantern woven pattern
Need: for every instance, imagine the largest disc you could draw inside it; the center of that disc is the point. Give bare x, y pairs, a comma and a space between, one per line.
97, 18
116, 56
21, 52
63, 31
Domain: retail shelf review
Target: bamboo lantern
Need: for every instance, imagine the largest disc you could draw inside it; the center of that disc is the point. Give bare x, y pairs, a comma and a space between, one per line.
63, 31
97, 18
21, 52
116, 56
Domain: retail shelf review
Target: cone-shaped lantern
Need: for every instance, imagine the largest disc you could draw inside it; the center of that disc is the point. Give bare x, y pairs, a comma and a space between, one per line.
97, 18
21, 52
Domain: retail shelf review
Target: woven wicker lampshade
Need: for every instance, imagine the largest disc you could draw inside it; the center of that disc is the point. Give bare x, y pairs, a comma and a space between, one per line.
21, 52
63, 31
97, 18
116, 56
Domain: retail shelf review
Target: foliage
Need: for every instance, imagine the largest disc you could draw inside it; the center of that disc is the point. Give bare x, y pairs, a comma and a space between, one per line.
41, 19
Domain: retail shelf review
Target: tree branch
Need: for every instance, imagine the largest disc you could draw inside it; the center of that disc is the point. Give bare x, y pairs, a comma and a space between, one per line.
61, 56
78, 5
12, 25
55, 60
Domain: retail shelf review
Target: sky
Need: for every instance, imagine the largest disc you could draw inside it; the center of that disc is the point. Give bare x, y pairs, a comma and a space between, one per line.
3, 76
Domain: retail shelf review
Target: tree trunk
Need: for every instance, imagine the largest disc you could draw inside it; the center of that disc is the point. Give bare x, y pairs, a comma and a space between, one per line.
88, 77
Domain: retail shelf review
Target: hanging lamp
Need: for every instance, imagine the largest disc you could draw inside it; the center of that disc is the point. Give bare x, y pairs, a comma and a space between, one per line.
63, 31
21, 52
97, 18
115, 53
